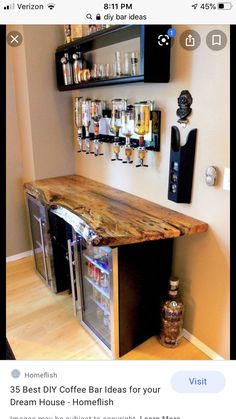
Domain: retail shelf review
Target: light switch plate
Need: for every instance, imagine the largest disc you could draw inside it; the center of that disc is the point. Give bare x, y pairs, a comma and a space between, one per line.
226, 183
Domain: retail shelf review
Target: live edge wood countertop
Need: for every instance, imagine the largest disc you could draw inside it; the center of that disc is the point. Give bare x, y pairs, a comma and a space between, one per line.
117, 217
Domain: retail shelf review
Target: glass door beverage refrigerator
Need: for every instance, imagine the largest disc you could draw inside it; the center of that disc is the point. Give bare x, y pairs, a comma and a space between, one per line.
98, 292
48, 244
116, 292
41, 243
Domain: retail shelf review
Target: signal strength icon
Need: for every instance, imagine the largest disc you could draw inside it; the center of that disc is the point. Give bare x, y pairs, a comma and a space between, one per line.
51, 6
9, 7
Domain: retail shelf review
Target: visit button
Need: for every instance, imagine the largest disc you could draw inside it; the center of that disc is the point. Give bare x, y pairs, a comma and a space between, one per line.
198, 381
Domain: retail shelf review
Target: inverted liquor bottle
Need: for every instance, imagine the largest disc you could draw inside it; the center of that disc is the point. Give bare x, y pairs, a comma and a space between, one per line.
127, 129
172, 317
142, 127
86, 119
97, 107
118, 105
79, 122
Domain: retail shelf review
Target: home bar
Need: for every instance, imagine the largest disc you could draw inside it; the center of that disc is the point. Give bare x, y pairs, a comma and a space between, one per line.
118, 227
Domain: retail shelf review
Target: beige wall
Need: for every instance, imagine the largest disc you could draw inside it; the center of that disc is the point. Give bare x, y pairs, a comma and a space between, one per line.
50, 112
39, 123
201, 262
16, 225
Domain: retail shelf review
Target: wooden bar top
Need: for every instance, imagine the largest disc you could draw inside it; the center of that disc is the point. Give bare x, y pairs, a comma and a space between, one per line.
115, 216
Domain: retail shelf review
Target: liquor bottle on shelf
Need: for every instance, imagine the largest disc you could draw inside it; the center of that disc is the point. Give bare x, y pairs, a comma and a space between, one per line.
172, 317
91, 29
77, 65
67, 31
67, 69
76, 31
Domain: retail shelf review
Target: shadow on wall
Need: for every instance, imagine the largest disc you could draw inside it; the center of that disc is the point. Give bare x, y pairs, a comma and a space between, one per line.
202, 266
181, 59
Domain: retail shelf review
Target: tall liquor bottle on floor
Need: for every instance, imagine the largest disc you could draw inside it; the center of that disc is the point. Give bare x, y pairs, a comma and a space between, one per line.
172, 317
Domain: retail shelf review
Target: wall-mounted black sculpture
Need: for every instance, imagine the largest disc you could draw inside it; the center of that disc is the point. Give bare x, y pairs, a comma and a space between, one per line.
181, 166
185, 101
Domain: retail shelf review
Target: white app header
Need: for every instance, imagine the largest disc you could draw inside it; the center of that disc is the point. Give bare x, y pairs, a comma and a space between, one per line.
120, 12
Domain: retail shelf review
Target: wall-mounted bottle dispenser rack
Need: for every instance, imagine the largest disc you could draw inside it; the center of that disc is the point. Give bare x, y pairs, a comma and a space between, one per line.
152, 140
132, 126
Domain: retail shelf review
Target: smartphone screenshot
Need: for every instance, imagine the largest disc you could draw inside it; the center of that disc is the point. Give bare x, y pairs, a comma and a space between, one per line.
117, 119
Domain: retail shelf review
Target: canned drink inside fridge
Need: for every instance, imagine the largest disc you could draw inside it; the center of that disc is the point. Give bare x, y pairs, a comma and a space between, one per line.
106, 320
105, 302
104, 282
90, 269
96, 295
97, 273
99, 314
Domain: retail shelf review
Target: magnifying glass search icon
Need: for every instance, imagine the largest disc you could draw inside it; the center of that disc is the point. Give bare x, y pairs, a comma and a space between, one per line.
89, 16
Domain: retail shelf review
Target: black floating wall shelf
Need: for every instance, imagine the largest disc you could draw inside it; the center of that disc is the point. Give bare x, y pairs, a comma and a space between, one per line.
181, 166
154, 55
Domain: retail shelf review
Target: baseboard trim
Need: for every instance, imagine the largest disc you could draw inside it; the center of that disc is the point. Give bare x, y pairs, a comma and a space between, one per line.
200, 345
19, 256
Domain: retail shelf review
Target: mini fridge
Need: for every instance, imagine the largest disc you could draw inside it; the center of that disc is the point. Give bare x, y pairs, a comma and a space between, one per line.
41, 241
50, 256
97, 293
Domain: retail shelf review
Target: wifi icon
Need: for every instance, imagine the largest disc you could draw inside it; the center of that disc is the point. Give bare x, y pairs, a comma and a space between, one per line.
51, 6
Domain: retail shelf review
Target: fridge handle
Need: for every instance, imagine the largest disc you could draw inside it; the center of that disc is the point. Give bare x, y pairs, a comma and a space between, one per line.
78, 241
43, 245
69, 244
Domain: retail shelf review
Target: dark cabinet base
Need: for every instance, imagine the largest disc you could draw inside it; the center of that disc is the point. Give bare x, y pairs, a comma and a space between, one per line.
60, 232
144, 271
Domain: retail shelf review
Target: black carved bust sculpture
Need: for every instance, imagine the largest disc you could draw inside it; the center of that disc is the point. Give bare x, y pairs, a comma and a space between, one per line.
185, 101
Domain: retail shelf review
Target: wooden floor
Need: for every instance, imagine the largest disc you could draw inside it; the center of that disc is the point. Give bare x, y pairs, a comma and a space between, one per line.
41, 325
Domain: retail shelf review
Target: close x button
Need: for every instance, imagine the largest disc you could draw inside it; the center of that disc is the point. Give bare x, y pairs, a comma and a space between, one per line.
14, 39
198, 381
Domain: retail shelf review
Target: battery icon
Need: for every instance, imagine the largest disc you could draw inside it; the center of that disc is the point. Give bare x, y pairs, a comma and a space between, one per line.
225, 6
